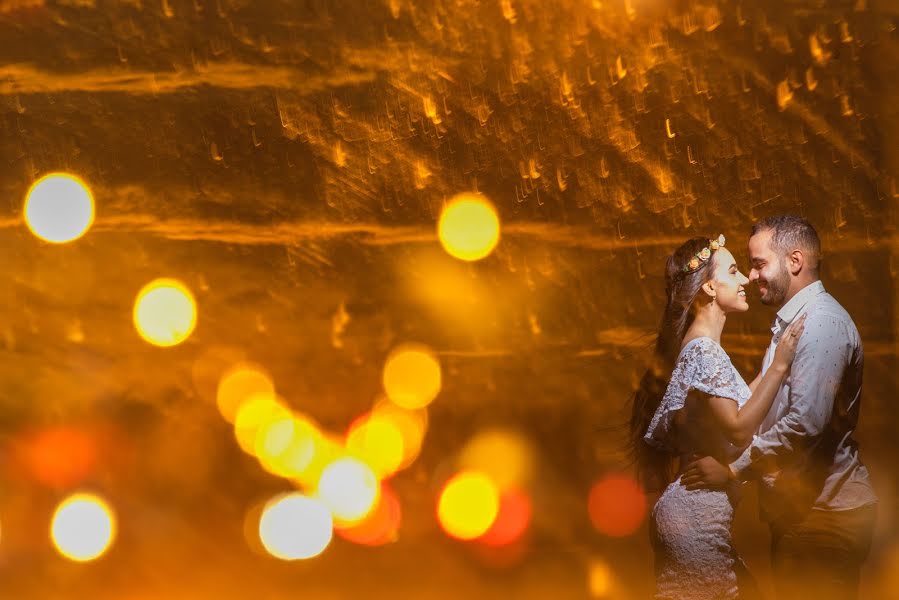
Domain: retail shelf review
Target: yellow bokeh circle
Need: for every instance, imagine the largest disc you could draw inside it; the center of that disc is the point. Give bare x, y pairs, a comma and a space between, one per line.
468, 227
412, 376
378, 442
165, 312
468, 505
238, 385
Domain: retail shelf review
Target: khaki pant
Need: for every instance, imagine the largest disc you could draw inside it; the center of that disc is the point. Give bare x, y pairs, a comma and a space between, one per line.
821, 556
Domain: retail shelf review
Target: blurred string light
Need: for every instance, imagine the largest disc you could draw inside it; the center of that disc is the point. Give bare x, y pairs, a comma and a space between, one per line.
468, 505
411, 423
381, 526
344, 475
294, 526
328, 448
274, 435
165, 313
412, 377
616, 506
349, 488
253, 416
288, 448
507, 458
468, 227
83, 527
378, 441
59, 208
240, 383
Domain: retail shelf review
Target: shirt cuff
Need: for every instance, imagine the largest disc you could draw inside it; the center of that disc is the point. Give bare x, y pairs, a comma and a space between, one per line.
741, 464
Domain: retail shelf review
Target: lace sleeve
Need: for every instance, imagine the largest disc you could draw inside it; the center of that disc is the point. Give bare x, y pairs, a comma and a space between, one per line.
715, 374
703, 365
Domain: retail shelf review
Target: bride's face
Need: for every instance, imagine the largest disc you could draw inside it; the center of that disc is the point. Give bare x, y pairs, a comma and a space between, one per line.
729, 283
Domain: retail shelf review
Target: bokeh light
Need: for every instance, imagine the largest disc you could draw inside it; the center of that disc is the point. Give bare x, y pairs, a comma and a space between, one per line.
287, 445
511, 521
349, 488
616, 505
83, 527
255, 415
505, 455
239, 384
165, 313
273, 437
327, 448
378, 442
468, 505
59, 457
59, 208
381, 526
411, 423
468, 227
412, 376
294, 526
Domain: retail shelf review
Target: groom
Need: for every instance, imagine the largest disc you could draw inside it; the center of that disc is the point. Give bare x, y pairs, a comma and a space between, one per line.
814, 492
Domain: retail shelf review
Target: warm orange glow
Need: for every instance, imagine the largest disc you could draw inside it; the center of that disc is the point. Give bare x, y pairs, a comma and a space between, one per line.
254, 415
60, 457
294, 527
378, 442
505, 455
379, 527
512, 520
238, 385
468, 505
83, 527
412, 377
59, 208
468, 227
599, 578
349, 488
165, 312
616, 506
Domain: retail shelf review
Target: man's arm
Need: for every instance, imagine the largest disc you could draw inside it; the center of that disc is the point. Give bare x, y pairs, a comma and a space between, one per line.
822, 356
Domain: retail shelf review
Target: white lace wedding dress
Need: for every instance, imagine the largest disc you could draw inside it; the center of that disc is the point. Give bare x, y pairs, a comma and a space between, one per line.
695, 559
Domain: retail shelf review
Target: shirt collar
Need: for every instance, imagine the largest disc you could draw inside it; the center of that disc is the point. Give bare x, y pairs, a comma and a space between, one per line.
789, 310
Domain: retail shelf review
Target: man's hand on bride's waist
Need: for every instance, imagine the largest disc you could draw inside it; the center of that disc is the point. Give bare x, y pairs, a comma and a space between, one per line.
706, 473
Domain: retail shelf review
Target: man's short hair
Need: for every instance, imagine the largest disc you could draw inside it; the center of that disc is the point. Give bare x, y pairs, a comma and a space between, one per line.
789, 232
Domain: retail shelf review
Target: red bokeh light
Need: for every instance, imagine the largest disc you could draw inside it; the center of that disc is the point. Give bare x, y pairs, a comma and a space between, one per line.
617, 506
512, 520
59, 457
381, 526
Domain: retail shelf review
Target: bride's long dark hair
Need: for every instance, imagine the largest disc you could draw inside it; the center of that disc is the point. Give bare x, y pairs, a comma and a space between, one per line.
655, 468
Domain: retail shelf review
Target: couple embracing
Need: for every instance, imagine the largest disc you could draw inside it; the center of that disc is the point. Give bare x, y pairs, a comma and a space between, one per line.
698, 430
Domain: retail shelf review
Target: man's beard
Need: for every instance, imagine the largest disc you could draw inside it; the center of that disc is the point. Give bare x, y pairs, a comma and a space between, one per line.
777, 288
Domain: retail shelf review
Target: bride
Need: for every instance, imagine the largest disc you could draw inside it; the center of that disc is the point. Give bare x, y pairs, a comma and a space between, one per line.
694, 402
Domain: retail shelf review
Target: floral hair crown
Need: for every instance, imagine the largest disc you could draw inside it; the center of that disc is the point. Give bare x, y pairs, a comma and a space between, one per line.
704, 254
